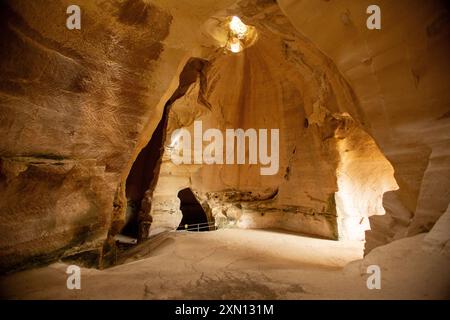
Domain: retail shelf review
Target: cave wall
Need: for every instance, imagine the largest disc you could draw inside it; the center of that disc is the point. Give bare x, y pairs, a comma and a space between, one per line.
282, 82
73, 105
78, 106
378, 91
400, 76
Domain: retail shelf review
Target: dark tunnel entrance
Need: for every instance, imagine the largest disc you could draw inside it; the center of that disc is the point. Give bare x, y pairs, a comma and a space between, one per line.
194, 216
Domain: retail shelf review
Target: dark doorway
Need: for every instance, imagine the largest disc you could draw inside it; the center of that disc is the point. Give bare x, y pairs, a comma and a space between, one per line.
193, 213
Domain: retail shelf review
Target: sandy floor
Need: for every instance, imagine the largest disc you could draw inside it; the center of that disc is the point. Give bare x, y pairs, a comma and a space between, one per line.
248, 264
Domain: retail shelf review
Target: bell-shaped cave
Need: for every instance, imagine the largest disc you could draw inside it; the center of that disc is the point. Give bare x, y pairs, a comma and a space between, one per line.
303, 138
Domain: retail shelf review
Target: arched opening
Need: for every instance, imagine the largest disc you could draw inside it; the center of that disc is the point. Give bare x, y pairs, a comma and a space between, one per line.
194, 216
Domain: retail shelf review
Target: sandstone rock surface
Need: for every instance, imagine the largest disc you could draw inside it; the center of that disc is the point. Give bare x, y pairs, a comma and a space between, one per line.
363, 118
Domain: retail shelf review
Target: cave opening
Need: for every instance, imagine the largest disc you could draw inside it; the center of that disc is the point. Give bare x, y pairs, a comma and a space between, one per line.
143, 176
194, 216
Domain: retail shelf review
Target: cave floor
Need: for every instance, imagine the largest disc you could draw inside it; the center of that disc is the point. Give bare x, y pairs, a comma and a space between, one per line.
245, 264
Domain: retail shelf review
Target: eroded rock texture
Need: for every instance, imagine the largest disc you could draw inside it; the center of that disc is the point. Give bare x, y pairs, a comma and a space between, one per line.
363, 118
73, 104
323, 147
400, 76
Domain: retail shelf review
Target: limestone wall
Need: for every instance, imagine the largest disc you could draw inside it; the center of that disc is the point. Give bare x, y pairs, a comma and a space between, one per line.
363, 118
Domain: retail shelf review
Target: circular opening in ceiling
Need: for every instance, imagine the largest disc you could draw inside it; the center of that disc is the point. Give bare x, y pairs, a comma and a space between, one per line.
229, 33
240, 35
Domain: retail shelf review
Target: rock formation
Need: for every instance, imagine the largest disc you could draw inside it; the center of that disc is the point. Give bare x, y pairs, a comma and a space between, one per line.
87, 118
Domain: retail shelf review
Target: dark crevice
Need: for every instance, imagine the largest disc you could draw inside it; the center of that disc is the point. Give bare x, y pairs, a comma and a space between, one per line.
144, 173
